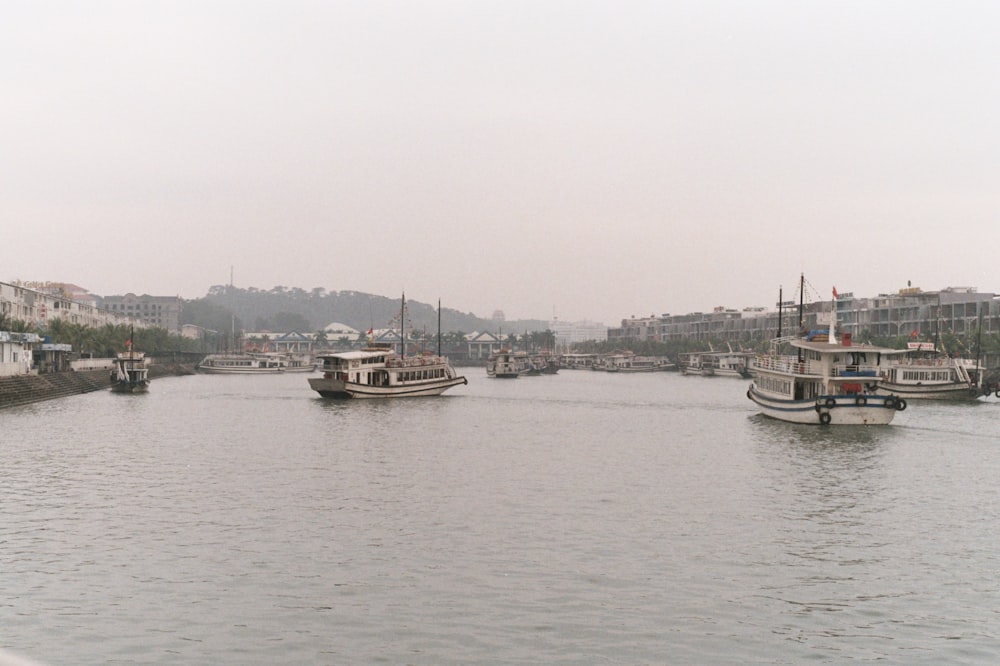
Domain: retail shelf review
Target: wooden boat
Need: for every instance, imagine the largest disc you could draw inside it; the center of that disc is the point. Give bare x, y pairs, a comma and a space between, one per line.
130, 374
506, 364
379, 372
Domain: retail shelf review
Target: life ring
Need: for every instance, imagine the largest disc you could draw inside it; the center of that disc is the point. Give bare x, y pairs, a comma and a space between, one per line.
997, 394
824, 418
831, 402
890, 402
748, 394
861, 401
901, 404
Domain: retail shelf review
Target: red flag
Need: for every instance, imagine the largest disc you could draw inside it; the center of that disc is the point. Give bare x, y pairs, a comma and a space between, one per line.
128, 343
835, 292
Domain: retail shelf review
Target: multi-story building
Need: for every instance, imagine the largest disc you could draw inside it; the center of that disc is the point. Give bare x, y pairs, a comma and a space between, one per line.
18, 302
910, 312
570, 332
155, 311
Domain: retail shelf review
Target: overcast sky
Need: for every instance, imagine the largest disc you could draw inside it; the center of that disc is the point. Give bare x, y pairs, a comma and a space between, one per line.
592, 160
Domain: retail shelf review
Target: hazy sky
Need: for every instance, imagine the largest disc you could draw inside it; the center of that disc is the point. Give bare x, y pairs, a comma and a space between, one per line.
589, 159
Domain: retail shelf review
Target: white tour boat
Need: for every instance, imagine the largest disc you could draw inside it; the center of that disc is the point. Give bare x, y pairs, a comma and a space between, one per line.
923, 373
377, 372
240, 364
823, 382
506, 364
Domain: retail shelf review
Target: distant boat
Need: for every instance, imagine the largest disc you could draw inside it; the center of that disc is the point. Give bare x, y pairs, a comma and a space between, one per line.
506, 364
718, 364
379, 372
923, 373
130, 374
240, 364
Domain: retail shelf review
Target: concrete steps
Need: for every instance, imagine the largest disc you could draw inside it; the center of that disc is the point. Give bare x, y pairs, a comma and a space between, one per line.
26, 389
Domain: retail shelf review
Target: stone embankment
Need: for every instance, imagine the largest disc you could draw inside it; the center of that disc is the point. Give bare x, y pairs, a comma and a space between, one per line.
26, 389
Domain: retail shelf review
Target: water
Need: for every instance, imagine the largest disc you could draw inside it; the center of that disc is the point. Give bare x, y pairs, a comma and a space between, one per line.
582, 518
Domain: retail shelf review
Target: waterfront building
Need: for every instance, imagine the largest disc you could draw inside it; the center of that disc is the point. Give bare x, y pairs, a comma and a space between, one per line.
156, 311
37, 308
481, 345
571, 332
910, 312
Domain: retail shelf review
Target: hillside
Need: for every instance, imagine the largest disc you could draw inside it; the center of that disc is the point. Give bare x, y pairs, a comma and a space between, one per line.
281, 309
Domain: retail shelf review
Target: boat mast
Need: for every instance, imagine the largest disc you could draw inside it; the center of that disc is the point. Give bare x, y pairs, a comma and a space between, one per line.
979, 349
779, 311
802, 306
402, 326
439, 327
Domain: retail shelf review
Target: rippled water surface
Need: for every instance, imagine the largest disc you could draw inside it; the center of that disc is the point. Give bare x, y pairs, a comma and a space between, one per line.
579, 518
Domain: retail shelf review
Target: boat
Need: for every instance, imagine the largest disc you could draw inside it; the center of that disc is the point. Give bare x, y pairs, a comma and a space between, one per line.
722, 364
817, 379
823, 382
240, 364
506, 364
696, 363
377, 371
130, 374
921, 372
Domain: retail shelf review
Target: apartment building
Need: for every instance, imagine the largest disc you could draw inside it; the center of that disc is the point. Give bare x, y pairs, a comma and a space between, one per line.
910, 312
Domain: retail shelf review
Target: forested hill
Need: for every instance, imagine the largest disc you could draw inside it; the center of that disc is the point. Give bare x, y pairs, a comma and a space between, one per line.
284, 309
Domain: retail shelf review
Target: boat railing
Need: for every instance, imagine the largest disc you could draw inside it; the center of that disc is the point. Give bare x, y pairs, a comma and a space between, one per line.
784, 364
856, 371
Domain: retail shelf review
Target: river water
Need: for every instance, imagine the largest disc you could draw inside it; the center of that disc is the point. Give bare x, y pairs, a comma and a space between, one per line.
581, 518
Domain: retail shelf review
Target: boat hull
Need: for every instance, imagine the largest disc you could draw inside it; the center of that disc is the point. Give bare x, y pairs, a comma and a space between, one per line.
335, 388
125, 387
830, 410
209, 370
951, 391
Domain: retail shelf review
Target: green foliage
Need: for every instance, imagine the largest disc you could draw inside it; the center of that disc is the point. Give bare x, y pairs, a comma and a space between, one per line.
106, 341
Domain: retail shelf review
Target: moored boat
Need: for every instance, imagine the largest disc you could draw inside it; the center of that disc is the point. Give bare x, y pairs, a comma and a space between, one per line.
130, 374
240, 364
506, 364
923, 373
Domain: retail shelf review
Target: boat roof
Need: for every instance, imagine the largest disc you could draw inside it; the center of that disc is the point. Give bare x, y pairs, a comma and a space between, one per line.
356, 354
822, 346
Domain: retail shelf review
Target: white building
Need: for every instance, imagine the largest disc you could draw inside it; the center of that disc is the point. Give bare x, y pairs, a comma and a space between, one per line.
571, 332
37, 308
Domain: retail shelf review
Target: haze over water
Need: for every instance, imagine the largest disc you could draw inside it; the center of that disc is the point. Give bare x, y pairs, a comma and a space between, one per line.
579, 518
